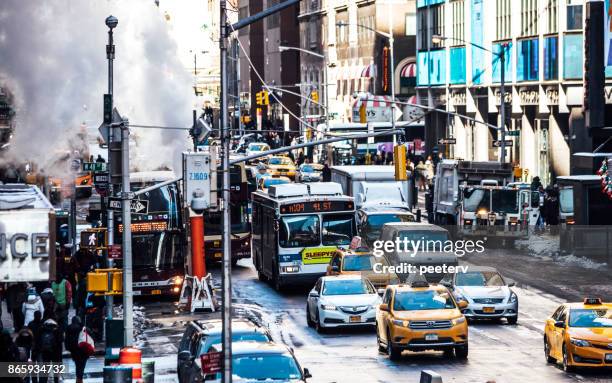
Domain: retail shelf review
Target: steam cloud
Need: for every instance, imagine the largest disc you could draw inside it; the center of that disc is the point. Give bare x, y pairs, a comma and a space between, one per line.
53, 58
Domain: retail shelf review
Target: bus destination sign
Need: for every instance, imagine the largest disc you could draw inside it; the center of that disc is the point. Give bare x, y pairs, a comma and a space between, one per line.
316, 207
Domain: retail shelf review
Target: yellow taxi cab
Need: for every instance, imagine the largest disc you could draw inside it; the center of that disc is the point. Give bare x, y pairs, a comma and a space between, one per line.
419, 317
281, 166
359, 260
580, 335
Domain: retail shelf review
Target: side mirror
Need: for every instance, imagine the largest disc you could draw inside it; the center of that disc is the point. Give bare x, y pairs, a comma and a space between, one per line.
384, 307
560, 324
307, 374
462, 305
313, 294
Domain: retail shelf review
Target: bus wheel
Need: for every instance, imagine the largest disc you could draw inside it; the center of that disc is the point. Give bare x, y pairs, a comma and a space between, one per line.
261, 276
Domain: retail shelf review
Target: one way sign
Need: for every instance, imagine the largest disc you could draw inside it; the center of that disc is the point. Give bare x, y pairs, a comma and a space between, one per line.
137, 206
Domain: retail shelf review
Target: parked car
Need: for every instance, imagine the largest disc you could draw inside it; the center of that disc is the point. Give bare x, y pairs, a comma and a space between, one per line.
343, 300
488, 294
309, 173
256, 148
200, 335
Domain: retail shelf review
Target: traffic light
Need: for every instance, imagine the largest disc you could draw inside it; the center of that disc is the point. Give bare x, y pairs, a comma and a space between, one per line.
399, 160
108, 109
314, 96
259, 98
93, 239
266, 98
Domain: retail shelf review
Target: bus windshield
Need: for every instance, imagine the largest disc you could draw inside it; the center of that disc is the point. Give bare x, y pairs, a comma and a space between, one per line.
159, 250
476, 199
238, 219
338, 229
300, 231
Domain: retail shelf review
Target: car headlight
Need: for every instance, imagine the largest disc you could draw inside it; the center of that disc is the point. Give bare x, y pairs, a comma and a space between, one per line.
580, 342
177, 280
328, 307
513, 298
401, 323
459, 320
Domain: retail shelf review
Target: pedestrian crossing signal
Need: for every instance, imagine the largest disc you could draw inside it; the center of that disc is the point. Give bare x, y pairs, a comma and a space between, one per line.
93, 239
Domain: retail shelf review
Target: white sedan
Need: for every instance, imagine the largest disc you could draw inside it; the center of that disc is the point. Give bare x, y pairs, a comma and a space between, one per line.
343, 300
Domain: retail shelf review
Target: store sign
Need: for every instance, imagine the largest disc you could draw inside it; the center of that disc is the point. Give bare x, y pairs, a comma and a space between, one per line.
458, 97
552, 96
529, 96
385, 69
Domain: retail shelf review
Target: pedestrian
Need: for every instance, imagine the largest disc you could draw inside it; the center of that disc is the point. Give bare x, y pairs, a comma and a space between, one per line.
300, 159
50, 343
50, 305
326, 173
78, 354
421, 171
62, 290
35, 326
31, 305
15, 297
389, 160
25, 343
536, 184
80, 295
100, 159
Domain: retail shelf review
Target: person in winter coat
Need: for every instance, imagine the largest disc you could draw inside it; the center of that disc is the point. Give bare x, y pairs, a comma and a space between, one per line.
15, 297
33, 304
35, 326
62, 290
25, 344
72, 344
326, 173
50, 343
48, 300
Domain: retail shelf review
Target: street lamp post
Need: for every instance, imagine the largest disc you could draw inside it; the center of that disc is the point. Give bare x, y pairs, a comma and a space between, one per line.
388, 36
502, 89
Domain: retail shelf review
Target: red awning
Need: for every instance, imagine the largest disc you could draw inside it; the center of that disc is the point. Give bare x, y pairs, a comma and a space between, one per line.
369, 71
408, 71
372, 101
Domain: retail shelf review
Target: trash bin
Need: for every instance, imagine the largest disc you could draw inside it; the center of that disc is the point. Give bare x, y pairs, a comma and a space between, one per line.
148, 371
117, 374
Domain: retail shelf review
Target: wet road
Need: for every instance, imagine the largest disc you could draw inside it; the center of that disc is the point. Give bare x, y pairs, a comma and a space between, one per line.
499, 352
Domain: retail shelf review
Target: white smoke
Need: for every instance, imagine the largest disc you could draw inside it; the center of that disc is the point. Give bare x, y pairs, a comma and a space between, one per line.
53, 57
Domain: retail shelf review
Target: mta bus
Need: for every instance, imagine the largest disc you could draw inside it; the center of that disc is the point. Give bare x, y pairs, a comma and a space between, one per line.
239, 218
297, 228
158, 240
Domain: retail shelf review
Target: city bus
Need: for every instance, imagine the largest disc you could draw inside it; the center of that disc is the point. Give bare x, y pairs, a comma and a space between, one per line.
297, 228
159, 245
239, 218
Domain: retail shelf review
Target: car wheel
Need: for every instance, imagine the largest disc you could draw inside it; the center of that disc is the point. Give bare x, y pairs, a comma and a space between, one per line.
566, 366
381, 348
318, 326
308, 320
393, 352
461, 351
549, 359
512, 320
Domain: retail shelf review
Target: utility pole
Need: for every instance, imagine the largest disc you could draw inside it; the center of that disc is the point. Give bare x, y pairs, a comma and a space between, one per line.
502, 93
391, 54
111, 23
226, 283
128, 319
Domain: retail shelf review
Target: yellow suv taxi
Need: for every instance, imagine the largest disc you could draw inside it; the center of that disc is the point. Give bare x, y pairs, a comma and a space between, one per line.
419, 317
580, 335
361, 261
281, 166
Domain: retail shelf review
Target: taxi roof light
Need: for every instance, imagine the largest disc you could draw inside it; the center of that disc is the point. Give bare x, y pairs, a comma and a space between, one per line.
592, 301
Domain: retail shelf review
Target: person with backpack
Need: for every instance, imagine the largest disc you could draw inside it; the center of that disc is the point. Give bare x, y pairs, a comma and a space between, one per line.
15, 297
50, 343
31, 305
62, 290
49, 303
78, 352
25, 344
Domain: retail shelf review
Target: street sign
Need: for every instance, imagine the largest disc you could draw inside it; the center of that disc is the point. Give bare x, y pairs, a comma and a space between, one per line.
498, 143
94, 166
115, 252
211, 362
137, 206
447, 141
513, 133
203, 128
101, 178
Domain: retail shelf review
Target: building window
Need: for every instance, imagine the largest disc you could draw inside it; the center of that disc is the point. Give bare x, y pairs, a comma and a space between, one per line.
437, 24
552, 13
529, 17
243, 13
273, 19
457, 65
497, 48
313, 29
527, 64
503, 19
551, 58
574, 14
422, 29
458, 12
431, 67
572, 56
410, 24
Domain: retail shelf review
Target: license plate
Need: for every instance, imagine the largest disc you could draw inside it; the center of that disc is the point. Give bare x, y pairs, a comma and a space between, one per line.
431, 337
488, 310
608, 357
355, 318
156, 292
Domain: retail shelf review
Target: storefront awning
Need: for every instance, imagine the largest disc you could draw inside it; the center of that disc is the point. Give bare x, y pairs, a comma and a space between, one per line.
372, 101
408, 71
368, 71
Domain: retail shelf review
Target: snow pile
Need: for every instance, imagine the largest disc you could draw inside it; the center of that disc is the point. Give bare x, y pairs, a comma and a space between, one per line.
141, 323
540, 245
572, 260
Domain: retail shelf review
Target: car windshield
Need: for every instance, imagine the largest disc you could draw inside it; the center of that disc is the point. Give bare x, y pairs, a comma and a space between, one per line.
599, 318
480, 278
265, 367
422, 300
476, 199
566, 200
253, 336
375, 223
258, 147
505, 201
280, 161
299, 231
338, 229
311, 168
347, 287
357, 263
